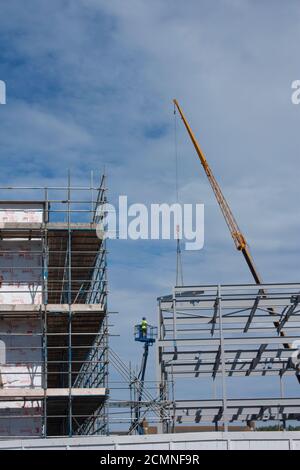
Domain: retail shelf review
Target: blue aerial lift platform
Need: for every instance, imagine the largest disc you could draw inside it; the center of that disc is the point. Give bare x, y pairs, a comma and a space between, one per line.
147, 337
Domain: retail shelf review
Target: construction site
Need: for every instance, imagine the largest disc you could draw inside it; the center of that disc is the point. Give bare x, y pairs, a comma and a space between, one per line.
210, 342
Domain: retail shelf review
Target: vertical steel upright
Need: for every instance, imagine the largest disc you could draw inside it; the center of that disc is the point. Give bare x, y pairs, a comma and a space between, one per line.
70, 426
223, 359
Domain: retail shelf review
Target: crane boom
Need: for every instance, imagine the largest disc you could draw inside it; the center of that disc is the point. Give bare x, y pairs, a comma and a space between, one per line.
238, 238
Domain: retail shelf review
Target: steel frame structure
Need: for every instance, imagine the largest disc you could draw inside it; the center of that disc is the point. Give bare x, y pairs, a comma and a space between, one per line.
73, 335
223, 331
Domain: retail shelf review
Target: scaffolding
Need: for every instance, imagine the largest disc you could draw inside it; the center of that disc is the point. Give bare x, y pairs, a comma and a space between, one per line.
134, 405
53, 311
215, 333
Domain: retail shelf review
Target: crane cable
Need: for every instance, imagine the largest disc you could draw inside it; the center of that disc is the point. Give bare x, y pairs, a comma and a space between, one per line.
179, 271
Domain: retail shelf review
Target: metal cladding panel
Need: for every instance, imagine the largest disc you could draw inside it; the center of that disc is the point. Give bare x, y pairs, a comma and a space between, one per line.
296, 445
260, 445
182, 441
201, 445
146, 446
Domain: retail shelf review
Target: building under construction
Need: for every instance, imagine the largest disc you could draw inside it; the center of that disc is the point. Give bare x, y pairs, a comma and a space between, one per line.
53, 312
215, 342
212, 340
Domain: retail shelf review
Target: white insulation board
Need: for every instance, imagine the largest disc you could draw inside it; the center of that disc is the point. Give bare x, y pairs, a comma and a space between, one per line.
21, 340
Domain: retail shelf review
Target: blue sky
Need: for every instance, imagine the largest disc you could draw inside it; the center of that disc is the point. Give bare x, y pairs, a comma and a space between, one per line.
90, 83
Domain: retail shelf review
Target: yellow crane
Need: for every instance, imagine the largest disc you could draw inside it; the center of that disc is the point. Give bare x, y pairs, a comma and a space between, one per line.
238, 237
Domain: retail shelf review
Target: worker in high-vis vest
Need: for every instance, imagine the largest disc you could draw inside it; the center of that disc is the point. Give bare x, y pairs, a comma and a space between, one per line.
144, 326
